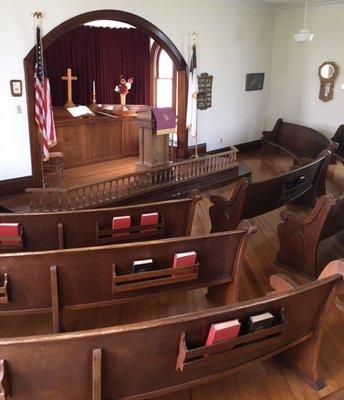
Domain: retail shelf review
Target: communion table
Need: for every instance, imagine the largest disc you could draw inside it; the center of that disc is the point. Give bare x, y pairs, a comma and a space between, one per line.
85, 141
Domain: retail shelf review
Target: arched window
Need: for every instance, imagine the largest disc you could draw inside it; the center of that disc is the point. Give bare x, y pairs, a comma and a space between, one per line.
164, 87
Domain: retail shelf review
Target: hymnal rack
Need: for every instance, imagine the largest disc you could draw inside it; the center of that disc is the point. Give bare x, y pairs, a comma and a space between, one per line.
235, 348
104, 235
155, 278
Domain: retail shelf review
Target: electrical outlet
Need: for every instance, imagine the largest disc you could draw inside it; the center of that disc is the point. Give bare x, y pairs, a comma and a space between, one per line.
19, 109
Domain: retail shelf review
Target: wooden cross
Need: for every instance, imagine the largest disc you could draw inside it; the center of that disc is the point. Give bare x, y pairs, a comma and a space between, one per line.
69, 78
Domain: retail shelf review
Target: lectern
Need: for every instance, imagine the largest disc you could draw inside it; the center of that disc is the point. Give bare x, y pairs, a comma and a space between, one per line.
155, 126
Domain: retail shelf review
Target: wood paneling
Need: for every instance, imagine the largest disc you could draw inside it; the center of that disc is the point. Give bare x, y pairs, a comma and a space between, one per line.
85, 141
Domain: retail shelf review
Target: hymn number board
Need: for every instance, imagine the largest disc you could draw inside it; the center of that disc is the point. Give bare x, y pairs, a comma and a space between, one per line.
205, 88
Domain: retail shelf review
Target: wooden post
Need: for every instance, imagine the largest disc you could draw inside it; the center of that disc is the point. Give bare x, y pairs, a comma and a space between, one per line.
55, 299
69, 78
97, 374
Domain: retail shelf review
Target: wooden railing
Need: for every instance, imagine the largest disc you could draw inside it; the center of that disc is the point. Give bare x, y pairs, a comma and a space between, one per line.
126, 186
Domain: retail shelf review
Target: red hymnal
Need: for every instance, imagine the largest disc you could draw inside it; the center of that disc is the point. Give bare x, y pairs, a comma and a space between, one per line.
184, 260
149, 219
121, 223
223, 331
7, 229
10, 230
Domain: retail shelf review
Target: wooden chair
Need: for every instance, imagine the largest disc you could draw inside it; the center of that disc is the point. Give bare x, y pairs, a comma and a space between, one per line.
299, 186
299, 238
62, 230
65, 280
155, 358
54, 164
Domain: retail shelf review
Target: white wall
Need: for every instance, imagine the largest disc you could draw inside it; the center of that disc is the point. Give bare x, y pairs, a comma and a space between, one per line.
234, 39
294, 78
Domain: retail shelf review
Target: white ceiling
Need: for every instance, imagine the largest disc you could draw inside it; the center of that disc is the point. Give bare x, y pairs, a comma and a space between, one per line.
293, 3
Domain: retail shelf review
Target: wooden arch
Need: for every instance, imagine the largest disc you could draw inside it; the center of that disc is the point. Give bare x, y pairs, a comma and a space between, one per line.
116, 15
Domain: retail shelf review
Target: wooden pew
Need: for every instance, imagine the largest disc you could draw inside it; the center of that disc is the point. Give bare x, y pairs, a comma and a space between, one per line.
299, 238
300, 142
303, 144
71, 229
299, 186
339, 138
150, 359
65, 280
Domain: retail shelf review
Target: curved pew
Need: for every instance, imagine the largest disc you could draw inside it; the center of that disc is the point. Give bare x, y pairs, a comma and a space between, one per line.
339, 138
71, 229
145, 360
50, 282
299, 238
299, 186
303, 144
300, 142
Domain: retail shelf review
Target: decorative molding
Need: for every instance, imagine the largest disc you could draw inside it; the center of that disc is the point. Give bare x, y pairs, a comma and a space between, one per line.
276, 7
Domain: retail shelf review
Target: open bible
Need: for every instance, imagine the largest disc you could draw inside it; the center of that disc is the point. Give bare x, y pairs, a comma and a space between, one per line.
80, 111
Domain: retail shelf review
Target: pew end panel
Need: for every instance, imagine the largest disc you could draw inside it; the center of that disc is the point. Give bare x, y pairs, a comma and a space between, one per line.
225, 294
299, 238
226, 214
115, 361
303, 358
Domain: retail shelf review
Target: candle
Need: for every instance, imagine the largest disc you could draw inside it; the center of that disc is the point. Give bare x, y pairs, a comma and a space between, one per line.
94, 86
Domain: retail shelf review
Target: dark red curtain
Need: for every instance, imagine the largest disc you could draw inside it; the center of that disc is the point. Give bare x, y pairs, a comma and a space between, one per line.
100, 55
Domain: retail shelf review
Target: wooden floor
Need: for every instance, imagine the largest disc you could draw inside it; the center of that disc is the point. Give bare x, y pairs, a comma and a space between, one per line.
264, 381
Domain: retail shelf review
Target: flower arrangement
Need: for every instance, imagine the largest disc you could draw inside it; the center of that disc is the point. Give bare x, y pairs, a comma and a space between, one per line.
124, 85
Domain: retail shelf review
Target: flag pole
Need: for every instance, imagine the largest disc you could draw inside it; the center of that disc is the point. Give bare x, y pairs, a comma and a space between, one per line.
38, 17
195, 156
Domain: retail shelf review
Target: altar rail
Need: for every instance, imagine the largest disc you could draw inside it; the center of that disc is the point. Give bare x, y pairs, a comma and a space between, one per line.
128, 186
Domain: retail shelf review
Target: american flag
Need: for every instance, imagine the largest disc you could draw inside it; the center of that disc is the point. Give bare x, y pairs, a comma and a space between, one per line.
191, 117
43, 106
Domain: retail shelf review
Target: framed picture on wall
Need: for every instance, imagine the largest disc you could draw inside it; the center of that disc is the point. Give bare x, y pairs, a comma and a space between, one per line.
16, 88
255, 82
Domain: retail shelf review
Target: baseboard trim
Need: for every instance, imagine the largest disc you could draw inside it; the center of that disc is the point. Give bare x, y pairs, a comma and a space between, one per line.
201, 149
16, 185
249, 146
242, 147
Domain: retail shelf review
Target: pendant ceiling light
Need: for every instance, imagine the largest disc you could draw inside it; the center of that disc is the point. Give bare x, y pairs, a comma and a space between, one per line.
304, 36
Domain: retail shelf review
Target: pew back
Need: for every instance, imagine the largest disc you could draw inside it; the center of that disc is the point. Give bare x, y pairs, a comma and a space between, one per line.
297, 140
339, 138
58, 230
252, 199
46, 282
141, 361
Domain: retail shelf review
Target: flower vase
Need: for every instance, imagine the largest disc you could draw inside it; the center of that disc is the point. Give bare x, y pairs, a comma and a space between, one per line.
123, 99
123, 110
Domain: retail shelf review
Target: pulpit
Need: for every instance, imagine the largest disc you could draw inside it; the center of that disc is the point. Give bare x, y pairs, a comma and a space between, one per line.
155, 126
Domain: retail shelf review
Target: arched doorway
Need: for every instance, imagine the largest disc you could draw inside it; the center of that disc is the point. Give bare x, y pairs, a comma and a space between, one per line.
140, 23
